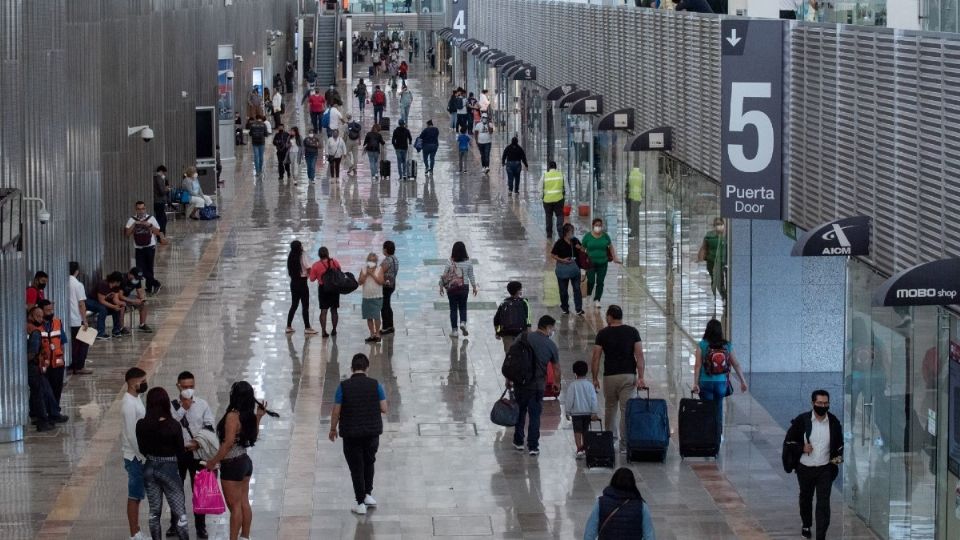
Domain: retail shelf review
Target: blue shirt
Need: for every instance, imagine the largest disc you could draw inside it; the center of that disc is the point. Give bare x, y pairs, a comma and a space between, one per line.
704, 376
592, 530
338, 398
463, 142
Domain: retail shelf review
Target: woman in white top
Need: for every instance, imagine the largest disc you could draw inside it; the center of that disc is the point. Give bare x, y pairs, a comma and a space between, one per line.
335, 150
191, 183
277, 107
371, 281
455, 282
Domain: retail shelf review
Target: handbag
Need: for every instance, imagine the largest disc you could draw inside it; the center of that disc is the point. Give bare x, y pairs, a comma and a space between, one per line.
505, 411
583, 260
207, 497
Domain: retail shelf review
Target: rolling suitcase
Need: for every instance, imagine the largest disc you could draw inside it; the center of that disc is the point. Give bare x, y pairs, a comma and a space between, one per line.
412, 169
599, 448
698, 429
385, 168
385, 123
648, 428
552, 389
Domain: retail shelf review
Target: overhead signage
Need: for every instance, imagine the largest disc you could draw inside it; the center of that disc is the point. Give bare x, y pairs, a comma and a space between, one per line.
380, 27
526, 72
572, 97
751, 76
458, 18
840, 238
934, 283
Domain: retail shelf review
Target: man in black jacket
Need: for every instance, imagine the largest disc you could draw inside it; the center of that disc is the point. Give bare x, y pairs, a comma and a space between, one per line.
814, 447
281, 140
359, 402
401, 143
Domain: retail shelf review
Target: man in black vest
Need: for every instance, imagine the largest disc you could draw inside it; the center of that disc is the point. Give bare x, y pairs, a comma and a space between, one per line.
360, 400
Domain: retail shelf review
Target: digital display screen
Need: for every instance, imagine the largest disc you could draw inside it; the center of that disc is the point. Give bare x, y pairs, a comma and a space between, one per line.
206, 135
953, 436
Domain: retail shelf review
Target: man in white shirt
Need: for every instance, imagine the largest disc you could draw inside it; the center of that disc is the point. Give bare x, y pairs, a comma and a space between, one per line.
815, 440
145, 231
77, 320
194, 414
483, 131
484, 101
132, 410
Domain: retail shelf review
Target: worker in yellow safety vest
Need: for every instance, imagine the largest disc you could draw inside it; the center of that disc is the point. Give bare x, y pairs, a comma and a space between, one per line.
634, 195
553, 192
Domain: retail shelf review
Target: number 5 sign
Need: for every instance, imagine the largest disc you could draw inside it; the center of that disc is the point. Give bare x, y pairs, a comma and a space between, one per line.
458, 18
752, 118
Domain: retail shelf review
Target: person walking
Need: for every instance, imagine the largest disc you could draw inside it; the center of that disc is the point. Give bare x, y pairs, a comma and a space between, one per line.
311, 151
329, 301
161, 196
600, 251
713, 251
463, 148
318, 104
513, 159
389, 267
406, 99
554, 188
430, 139
453, 105
335, 150
194, 415
359, 404
160, 440
351, 159
360, 92
564, 253
401, 141
258, 140
483, 130
131, 411
372, 144
455, 282
298, 269
813, 447
145, 230
580, 406
379, 101
620, 512
277, 102
295, 155
623, 365
281, 141
78, 321
714, 360
512, 318
371, 283
529, 397
463, 114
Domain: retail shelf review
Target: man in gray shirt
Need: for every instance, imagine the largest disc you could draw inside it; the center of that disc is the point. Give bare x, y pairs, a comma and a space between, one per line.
530, 397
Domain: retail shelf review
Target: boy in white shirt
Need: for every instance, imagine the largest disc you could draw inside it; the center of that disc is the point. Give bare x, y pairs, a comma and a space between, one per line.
580, 405
132, 410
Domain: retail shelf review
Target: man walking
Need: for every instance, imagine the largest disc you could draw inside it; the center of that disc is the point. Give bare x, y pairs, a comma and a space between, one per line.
258, 140
484, 134
430, 139
553, 193
530, 397
318, 104
353, 145
622, 352
515, 159
406, 99
401, 143
78, 321
281, 141
379, 101
161, 195
132, 410
359, 403
814, 446
311, 151
145, 230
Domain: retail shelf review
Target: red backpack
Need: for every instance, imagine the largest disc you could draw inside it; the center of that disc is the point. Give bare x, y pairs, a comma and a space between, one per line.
716, 361
379, 98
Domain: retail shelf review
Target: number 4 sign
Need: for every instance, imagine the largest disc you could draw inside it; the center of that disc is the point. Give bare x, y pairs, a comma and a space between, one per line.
752, 118
458, 14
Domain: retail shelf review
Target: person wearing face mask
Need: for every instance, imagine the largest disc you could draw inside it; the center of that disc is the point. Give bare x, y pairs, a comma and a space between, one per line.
335, 150
134, 297
530, 396
108, 301
52, 341
512, 317
191, 183
281, 141
713, 251
564, 252
145, 231
553, 198
77, 298
813, 447
390, 266
371, 282
714, 360
35, 290
161, 194
194, 414
44, 407
599, 248
132, 411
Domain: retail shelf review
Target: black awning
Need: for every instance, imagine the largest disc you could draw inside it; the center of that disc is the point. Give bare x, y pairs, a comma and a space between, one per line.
572, 97
660, 138
560, 91
621, 120
592, 104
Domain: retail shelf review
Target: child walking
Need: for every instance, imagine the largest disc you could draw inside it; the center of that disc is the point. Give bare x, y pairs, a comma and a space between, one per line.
371, 280
463, 144
580, 405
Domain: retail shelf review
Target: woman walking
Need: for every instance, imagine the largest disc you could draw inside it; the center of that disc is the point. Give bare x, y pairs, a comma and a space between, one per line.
714, 359
361, 94
564, 252
160, 439
372, 143
456, 281
620, 512
390, 266
295, 154
600, 251
237, 430
329, 301
298, 268
335, 150
371, 280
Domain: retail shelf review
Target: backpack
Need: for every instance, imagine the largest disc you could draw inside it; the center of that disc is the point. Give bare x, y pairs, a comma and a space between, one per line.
325, 120
379, 98
459, 103
452, 105
453, 278
338, 281
353, 130
716, 361
520, 364
142, 235
512, 315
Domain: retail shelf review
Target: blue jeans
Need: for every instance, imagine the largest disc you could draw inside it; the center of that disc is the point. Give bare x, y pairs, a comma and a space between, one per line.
102, 311
513, 175
716, 391
311, 166
363, 103
453, 120
530, 401
401, 162
565, 294
258, 158
377, 113
458, 304
374, 158
429, 156
404, 113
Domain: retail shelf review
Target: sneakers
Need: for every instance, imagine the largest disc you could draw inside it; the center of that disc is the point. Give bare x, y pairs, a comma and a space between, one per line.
138, 536
369, 500
596, 304
535, 453
805, 532
371, 339
309, 331
145, 329
580, 313
463, 328
518, 447
453, 333
581, 454
103, 337
122, 332
387, 330
565, 311
360, 509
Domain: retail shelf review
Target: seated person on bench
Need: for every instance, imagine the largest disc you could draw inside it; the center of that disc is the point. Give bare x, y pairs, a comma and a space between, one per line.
134, 297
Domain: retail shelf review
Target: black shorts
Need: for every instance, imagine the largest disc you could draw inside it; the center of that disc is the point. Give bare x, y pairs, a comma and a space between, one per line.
329, 300
581, 423
236, 469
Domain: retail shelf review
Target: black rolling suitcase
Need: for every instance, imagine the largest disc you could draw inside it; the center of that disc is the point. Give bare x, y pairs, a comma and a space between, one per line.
412, 169
698, 429
599, 448
385, 123
385, 168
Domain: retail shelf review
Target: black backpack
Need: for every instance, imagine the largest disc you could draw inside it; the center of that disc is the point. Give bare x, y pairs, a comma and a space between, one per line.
338, 281
520, 364
353, 130
512, 315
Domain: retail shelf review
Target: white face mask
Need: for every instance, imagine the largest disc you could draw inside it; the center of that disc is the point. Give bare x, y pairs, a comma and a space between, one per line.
371, 264
187, 394
598, 229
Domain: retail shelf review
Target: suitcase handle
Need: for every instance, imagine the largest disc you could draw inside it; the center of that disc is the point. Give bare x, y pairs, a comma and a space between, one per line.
591, 424
646, 389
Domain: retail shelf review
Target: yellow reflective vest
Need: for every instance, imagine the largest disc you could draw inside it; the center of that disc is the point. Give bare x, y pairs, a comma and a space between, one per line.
635, 185
552, 186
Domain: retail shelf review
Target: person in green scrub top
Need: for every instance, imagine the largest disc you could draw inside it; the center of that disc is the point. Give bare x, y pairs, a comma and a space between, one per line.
713, 251
600, 250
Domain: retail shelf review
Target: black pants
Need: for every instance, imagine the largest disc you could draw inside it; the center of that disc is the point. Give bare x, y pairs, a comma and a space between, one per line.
386, 312
361, 454
819, 480
160, 212
188, 465
552, 209
301, 296
54, 377
79, 350
145, 257
282, 165
43, 406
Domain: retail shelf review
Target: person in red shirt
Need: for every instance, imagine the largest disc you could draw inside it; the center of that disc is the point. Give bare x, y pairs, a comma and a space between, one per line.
328, 301
35, 290
318, 104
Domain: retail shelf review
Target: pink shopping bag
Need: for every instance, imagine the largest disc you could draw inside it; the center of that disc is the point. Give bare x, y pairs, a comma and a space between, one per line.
207, 497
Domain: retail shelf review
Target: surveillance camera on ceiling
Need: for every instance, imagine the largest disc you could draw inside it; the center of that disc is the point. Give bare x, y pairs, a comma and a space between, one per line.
230, 75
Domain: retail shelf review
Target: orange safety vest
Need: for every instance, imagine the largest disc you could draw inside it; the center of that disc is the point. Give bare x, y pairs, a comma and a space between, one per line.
51, 344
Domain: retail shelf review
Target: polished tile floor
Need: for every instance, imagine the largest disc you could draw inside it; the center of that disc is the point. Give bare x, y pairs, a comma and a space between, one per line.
444, 471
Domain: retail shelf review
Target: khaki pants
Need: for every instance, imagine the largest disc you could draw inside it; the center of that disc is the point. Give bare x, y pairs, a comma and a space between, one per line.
350, 159
617, 389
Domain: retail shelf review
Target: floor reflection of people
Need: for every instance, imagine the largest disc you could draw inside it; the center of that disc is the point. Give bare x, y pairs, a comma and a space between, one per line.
713, 251
634, 198
457, 390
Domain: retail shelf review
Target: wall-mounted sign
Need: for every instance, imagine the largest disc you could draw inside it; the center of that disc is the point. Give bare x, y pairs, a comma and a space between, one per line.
751, 73
458, 18
843, 237
380, 27
526, 72
934, 283
660, 139
560, 91
572, 98
621, 120
592, 104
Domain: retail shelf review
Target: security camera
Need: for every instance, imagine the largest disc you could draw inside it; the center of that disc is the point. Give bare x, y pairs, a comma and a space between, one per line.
229, 74
44, 216
238, 58
146, 135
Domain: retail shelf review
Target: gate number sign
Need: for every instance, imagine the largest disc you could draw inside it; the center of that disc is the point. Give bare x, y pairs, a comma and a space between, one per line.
751, 118
458, 14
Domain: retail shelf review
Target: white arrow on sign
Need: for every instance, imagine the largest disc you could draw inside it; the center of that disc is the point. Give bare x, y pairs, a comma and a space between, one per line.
733, 39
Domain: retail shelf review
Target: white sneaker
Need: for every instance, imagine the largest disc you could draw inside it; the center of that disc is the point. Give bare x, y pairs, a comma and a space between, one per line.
453, 333
360, 509
369, 500
138, 536
463, 328
596, 304
581, 454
